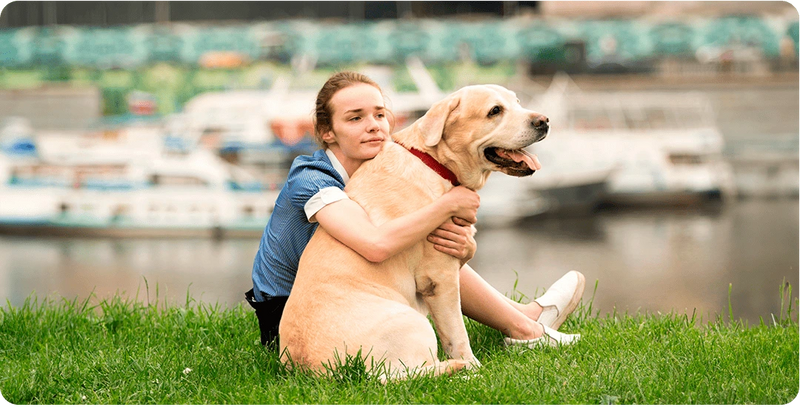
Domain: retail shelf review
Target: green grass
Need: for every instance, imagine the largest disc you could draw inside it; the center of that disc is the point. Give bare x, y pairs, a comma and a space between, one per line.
121, 351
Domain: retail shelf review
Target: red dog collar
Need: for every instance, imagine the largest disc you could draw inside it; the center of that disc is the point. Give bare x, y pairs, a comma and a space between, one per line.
435, 165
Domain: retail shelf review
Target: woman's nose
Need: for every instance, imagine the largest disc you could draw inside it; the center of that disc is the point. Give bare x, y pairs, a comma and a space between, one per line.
372, 124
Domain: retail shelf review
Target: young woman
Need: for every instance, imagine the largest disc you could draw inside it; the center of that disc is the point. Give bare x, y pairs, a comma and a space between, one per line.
351, 124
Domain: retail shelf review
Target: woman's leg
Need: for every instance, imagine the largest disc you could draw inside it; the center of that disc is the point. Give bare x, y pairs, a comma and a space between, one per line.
483, 303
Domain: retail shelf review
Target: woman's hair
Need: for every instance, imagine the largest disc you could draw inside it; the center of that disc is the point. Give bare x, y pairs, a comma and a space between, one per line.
323, 111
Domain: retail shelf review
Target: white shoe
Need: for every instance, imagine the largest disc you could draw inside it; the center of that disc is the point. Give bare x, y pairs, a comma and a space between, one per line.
561, 299
550, 337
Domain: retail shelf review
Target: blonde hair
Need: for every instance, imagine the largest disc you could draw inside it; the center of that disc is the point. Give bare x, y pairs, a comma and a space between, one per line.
323, 111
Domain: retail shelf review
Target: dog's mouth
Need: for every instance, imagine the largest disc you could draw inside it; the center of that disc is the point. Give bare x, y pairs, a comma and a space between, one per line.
518, 163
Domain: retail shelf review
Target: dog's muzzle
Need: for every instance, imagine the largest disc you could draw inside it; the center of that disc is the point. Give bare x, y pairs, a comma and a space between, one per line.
518, 163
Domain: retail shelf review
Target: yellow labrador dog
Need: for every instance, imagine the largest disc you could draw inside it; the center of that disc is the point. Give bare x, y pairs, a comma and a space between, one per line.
343, 304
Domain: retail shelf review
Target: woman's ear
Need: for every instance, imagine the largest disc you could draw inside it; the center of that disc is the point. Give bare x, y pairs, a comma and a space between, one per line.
328, 137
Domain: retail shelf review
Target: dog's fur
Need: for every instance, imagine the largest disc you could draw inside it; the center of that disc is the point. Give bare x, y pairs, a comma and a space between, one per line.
342, 304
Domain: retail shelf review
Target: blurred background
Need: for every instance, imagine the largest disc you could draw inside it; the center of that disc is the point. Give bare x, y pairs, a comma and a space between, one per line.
147, 141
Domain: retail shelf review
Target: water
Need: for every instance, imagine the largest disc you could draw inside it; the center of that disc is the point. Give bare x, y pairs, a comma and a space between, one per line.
653, 260
657, 260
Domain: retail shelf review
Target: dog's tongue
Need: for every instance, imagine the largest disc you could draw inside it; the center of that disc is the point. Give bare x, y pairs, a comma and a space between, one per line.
521, 156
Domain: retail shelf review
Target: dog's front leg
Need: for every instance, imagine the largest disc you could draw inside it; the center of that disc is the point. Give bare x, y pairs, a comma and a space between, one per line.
438, 285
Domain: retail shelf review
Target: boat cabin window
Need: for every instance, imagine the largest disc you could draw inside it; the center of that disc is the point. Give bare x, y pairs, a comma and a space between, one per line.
159, 179
685, 159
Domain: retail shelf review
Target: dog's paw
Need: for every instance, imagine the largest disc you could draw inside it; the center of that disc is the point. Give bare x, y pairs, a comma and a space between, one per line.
473, 364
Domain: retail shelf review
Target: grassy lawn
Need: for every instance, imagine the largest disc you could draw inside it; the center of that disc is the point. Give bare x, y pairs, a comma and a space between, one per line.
128, 352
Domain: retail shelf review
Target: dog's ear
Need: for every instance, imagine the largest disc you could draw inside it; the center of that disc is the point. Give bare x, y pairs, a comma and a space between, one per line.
431, 126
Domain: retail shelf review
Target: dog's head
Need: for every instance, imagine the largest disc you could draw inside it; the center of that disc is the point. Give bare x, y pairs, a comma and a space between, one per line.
482, 128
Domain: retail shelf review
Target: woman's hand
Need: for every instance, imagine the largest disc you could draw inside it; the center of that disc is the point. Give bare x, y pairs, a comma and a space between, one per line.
465, 203
454, 240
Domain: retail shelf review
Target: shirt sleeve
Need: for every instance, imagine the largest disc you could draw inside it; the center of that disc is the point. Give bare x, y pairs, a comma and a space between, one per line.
322, 198
305, 189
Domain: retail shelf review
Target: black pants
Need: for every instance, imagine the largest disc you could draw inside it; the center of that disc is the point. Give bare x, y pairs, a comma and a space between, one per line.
269, 314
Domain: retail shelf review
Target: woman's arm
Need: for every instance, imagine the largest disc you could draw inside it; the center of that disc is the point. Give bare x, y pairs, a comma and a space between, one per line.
347, 221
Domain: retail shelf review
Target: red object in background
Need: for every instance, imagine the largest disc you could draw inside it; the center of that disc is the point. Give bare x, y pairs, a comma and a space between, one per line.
400, 120
291, 131
223, 59
144, 108
142, 104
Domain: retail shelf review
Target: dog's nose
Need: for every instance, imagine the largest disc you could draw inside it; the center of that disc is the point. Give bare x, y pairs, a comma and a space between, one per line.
540, 121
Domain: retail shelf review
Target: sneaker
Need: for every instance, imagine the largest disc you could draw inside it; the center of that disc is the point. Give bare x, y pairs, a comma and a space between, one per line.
561, 299
550, 337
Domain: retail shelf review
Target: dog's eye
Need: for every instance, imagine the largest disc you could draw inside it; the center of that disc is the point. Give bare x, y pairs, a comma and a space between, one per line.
495, 111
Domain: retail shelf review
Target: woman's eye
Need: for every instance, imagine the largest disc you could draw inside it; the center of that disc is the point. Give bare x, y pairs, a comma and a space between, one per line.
495, 111
381, 115
356, 118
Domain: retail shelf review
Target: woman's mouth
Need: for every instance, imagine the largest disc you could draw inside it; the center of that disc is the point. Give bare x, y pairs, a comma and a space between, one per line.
372, 140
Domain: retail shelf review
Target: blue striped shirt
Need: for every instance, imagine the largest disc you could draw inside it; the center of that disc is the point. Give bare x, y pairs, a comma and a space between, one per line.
288, 231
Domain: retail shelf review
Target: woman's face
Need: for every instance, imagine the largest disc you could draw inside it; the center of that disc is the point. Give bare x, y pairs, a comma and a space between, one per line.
359, 121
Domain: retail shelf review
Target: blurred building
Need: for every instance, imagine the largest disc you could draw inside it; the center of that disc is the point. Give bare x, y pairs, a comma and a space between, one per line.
108, 13
105, 13
631, 9
52, 107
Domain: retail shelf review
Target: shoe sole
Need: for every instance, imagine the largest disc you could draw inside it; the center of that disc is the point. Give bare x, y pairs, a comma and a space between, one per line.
573, 302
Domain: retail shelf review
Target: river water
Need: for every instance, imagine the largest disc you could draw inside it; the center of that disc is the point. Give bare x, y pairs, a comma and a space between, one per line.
654, 260
641, 260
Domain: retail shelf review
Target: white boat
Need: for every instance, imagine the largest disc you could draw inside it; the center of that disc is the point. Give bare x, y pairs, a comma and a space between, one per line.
571, 191
664, 147
766, 168
506, 200
105, 188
